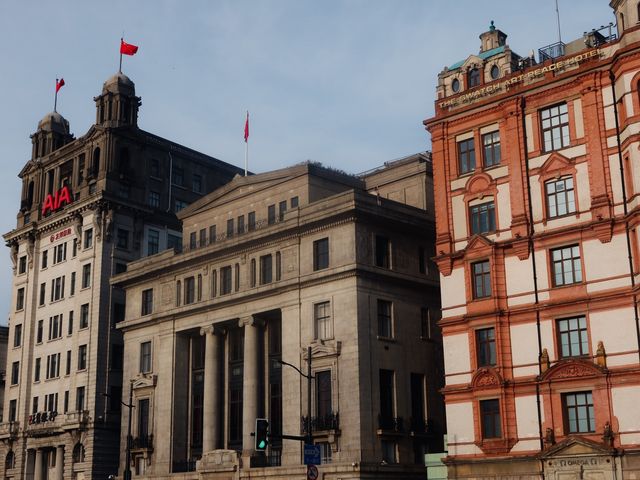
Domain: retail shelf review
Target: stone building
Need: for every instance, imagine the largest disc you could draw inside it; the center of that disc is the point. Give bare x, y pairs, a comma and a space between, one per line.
274, 267
536, 174
89, 205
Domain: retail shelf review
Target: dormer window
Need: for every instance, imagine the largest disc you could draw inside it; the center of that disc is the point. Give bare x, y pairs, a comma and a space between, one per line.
474, 77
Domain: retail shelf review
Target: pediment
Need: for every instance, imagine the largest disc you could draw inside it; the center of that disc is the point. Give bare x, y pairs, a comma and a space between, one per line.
575, 368
486, 378
144, 381
471, 61
324, 349
575, 446
556, 163
479, 184
478, 242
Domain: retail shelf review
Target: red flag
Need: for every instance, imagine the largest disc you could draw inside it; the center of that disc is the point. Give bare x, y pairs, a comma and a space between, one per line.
246, 129
127, 48
59, 84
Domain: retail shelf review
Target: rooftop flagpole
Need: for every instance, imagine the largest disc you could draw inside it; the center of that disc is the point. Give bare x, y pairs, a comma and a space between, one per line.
120, 67
55, 98
246, 143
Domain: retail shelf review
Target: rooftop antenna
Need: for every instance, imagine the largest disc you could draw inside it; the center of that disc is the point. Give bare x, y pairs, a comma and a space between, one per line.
558, 17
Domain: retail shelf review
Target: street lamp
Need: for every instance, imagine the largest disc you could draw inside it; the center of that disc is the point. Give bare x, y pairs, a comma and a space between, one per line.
309, 377
127, 467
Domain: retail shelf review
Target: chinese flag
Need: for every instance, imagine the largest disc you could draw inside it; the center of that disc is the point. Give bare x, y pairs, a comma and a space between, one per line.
246, 129
59, 84
127, 48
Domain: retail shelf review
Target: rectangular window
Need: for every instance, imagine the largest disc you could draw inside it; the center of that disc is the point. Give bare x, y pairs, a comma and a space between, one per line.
425, 323
153, 242
177, 176
60, 253
36, 370
39, 331
154, 199
174, 242
321, 254
74, 250
490, 418
68, 365
88, 238
70, 323
251, 221
271, 214
122, 238
143, 418
15, 373
66, 401
387, 400
20, 299
13, 410
51, 402
225, 280
154, 168
192, 240
179, 205
466, 156
57, 289
560, 197
55, 327
555, 127
282, 209
383, 252
53, 366
34, 405
486, 346
86, 275
147, 301
483, 218
573, 337
189, 290
80, 399
212, 234
17, 335
45, 256
82, 357
323, 396
266, 269
323, 328
84, 315
294, 202
240, 224
22, 264
196, 183
230, 228
481, 279
565, 265
579, 412
73, 283
385, 321
43, 288
491, 149
145, 357
203, 237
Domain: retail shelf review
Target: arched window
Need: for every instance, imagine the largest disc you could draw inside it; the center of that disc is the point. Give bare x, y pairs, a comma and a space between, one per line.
474, 77
78, 453
30, 194
10, 460
95, 164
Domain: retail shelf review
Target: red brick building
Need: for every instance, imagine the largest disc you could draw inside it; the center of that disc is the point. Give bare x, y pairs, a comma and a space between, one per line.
537, 181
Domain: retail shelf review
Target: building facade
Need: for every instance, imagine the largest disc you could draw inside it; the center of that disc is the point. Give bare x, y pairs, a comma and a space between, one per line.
536, 173
89, 205
281, 272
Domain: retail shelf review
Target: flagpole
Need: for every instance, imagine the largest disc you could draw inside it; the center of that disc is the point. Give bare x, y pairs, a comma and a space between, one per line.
120, 67
246, 146
55, 101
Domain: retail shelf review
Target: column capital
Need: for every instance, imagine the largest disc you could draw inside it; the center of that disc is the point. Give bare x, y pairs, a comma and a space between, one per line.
251, 321
213, 330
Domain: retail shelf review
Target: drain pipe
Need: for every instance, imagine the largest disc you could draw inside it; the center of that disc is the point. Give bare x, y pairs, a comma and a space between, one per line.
612, 78
534, 270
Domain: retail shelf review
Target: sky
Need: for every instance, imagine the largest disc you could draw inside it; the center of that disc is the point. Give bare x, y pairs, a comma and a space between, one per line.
342, 82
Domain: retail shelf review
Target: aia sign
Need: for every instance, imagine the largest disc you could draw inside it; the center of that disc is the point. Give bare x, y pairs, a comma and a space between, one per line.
54, 202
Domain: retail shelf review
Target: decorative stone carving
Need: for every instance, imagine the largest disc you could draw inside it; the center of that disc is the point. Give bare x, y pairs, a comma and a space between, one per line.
549, 438
544, 361
14, 254
608, 435
31, 242
486, 378
601, 355
108, 225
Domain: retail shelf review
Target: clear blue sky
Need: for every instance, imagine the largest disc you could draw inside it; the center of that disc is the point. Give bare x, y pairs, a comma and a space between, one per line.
346, 83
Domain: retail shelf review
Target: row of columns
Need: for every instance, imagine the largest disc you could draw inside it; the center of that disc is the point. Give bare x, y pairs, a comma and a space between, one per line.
39, 466
214, 343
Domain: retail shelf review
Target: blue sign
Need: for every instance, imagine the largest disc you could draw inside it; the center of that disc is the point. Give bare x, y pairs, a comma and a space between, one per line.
311, 454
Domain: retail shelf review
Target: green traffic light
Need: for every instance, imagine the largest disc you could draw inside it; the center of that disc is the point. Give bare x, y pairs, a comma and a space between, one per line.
262, 444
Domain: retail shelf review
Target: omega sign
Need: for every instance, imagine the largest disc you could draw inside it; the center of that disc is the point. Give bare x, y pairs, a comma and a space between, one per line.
531, 74
54, 202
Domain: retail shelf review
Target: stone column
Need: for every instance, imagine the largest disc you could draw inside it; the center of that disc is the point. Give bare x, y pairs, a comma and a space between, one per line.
59, 462
37, 469
250, 384
211, 405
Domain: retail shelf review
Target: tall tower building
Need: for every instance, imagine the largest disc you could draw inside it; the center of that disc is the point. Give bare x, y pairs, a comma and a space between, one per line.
536, 174
89, 205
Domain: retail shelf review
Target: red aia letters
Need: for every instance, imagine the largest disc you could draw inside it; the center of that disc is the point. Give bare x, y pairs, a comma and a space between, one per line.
53, 202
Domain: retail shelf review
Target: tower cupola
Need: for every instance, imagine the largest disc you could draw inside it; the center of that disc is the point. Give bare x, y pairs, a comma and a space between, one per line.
52, 133
117, 105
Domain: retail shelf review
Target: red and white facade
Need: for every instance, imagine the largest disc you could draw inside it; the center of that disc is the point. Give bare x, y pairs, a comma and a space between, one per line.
537, 212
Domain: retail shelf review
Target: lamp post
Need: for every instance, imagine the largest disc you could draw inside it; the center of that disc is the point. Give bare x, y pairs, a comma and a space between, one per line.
308, 438
127, 467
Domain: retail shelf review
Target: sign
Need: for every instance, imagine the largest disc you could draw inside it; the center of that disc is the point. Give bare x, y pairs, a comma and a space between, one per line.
60, 234
500, 86
54, 202
312, 454
312, 472
43, 417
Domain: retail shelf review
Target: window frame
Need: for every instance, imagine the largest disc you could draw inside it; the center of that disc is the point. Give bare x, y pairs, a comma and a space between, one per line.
490, 409
566, 333
590, 410
569, 204
384, 317
321, 254
147, 302
576, 265
480, 214
466, 159
146, 357
490, 148
564, 136
322, 317
486, 351
484, 276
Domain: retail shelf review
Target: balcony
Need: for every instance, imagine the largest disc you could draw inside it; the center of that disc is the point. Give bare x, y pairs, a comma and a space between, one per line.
321, 423
9, 430
550, 52
390, 425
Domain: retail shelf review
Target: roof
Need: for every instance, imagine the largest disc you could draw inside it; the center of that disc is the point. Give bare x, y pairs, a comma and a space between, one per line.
482, 55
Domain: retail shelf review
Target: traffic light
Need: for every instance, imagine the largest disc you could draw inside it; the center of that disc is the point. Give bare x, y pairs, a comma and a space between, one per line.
262, 432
